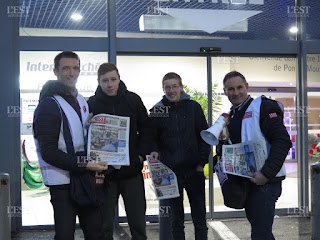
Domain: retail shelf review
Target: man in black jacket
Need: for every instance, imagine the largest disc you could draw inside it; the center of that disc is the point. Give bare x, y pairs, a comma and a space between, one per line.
112, 97
179, 121
57, 160
252, 119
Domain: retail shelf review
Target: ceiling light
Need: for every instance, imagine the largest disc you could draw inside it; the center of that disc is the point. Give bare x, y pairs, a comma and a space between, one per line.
76, 17
168, 23
294, 30
238, 1
258, 2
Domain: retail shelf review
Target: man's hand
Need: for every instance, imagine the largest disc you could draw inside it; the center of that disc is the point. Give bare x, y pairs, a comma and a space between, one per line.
141, 158
199, 168
155, 155
258, 178
89, 120
97, 166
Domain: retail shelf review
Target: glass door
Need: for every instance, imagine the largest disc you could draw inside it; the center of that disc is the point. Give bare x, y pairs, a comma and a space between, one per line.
274, 77
143, 75
36, 68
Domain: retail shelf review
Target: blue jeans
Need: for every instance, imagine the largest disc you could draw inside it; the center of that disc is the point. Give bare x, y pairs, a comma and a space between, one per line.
260, 209
194, 184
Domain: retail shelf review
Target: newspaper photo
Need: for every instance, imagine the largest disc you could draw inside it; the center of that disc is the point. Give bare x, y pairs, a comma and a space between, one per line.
244, 158
108, 139
163, 178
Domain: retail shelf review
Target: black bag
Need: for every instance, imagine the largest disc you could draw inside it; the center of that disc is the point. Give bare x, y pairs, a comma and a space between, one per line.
234, 191
82, 185
82, 188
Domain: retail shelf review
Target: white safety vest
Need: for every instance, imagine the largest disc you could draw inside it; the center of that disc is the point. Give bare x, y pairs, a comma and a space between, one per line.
250, 129
56, 176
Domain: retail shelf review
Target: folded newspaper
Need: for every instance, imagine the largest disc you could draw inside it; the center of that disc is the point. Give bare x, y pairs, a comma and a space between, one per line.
244, 158
108, 139
163, 178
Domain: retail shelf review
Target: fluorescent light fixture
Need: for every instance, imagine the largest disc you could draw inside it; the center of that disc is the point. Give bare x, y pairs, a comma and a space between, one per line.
168, 23
76, 17
238, 1
258, 2
293, 29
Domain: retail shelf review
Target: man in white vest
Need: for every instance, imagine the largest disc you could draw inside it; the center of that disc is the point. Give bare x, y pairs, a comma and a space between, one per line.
252, 119
63, 110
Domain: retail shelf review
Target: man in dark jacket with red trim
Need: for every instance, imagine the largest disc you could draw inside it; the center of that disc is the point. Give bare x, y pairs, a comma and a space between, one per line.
252, 119
179, 121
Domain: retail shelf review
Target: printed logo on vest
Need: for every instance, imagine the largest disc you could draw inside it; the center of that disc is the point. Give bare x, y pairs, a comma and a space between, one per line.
247, 115
84, 109
273, 115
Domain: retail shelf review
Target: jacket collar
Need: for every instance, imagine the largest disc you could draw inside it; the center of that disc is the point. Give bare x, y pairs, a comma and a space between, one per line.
54, 87
184, 97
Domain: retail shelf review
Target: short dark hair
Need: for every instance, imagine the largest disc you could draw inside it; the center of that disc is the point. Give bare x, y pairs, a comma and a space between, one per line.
233, 74
172, 75
64, 54
105, 68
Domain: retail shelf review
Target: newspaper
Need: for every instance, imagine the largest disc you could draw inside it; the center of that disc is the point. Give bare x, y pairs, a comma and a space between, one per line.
163, 178
108, 139
244, 158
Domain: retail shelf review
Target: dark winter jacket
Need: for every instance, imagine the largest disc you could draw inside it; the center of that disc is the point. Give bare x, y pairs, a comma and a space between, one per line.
272, 128
178, 126
127, 104
46, 126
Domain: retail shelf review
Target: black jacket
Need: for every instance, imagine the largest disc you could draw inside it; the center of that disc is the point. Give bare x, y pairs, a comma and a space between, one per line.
272, 128
46, 126
178, 138
127, 104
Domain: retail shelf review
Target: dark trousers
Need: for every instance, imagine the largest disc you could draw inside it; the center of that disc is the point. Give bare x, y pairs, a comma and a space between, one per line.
194, 184
65, 211
132, 192
260, 209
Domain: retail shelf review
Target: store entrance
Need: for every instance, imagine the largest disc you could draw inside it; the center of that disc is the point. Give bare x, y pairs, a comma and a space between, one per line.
143, 74
275, 78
